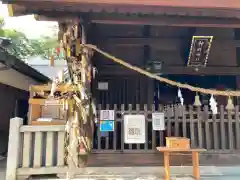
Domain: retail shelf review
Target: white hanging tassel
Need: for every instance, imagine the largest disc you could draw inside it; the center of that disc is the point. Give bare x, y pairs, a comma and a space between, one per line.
180, 96
213, 105
197, 101
60, 76
53, 88
230, 105
94, 71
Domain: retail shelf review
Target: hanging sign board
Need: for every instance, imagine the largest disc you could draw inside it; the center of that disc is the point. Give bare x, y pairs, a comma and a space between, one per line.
134, 129
103, 86
107, 115
106, 126
158, 122
199, 51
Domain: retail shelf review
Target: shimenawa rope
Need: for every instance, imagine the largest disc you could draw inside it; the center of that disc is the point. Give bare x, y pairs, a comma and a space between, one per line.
162, 79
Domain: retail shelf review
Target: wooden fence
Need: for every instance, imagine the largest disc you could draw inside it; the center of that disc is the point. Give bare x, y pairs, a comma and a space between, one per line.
213, 132
40, 149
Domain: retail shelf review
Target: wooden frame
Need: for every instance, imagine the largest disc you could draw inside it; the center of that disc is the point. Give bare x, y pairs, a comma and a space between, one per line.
213, 4
36, 105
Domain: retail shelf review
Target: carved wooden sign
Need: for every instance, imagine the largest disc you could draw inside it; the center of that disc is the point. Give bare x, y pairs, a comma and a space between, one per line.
199, 51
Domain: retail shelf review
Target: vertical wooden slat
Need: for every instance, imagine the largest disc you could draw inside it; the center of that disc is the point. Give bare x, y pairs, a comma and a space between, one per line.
200, 137
107, 133
130, 112
49, 149
184, 122
215, 132
207, 127
176, 122
237, 127
153, 132
98, 129
115, 132
138, 112
122, 127
169, 127
27, 149
230, 130
60, 149
222, 128
192, 129
161, 133
38, 149
146, 127
142, 89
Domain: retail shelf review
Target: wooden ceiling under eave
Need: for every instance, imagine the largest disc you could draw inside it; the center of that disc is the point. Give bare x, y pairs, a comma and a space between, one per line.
226, 12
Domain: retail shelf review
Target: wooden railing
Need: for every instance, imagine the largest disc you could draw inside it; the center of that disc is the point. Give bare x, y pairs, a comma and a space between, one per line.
40, 149
34, 150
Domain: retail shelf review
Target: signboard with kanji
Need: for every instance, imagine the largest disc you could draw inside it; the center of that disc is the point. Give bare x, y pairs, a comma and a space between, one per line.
199, 51
134, 129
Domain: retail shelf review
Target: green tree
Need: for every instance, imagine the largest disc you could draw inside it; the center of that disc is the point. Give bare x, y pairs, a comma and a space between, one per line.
22, 47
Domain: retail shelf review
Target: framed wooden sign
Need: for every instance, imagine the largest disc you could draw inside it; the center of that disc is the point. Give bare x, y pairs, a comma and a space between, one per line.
199, 51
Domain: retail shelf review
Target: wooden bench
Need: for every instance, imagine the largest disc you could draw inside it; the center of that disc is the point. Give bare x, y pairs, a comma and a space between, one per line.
195, 159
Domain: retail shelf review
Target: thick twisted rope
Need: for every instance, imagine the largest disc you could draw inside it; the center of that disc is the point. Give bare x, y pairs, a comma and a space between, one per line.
162, 79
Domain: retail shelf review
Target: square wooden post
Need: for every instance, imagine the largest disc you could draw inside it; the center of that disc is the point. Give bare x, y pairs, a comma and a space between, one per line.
13, 148
166, 166
195, 159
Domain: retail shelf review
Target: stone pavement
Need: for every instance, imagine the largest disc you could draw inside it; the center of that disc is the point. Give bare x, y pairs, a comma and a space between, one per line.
148, 173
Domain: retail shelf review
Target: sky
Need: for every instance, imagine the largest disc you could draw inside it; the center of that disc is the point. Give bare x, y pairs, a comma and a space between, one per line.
27, 24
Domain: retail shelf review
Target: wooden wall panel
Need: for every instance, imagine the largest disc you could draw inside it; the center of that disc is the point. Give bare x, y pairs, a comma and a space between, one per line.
221, 54
8, 97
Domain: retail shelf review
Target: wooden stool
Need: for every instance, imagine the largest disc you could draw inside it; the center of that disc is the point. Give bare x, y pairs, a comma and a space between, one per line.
195, 160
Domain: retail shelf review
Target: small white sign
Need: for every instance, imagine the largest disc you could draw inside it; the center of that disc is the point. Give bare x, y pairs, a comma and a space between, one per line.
158, 122
134, 129
107, 115
103, 86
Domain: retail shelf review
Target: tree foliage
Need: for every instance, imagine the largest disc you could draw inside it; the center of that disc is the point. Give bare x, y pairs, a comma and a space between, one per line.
23, 48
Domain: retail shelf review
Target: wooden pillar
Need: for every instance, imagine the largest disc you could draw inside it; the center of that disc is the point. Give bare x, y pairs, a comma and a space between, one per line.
80, 117
13, 148
86, 125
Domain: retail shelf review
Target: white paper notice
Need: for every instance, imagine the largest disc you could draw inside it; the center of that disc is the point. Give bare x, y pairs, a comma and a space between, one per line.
134, 129
158, 122
107, 115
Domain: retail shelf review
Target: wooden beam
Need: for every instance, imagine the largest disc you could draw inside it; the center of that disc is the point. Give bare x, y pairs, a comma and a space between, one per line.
177, 21
176, 70
168, 42
157, 20
213, 4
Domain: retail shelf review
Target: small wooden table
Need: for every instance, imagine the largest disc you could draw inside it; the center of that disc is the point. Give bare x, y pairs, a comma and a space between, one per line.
195, 160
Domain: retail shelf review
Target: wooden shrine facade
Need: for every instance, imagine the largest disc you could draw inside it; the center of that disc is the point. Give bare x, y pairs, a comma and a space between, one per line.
128, 31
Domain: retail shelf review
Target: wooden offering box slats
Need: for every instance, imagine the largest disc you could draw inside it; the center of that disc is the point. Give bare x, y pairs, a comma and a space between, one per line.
40, 107
177, 142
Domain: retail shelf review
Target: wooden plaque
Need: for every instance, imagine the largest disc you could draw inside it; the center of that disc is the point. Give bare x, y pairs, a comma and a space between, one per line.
199, 51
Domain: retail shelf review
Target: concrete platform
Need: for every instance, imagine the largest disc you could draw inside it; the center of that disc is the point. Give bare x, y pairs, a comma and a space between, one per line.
146, 173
